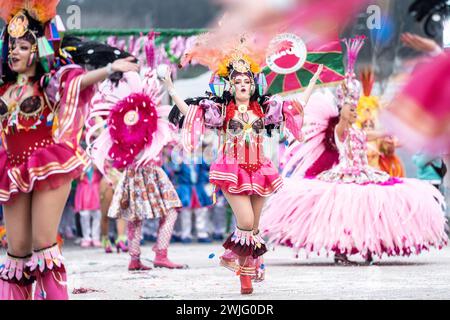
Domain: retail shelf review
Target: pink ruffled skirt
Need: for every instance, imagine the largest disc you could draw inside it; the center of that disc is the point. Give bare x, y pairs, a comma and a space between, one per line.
230, 177
45, 168
319, 216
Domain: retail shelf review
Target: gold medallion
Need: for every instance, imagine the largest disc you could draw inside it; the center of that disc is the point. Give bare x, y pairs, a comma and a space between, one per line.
18, 25
242, 108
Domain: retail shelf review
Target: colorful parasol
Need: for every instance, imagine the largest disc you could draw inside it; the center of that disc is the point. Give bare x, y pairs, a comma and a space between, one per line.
329, 54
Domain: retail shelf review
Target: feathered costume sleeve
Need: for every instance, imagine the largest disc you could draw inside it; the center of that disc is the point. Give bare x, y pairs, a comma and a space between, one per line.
65, 93
279, 109
125, 125
317, 152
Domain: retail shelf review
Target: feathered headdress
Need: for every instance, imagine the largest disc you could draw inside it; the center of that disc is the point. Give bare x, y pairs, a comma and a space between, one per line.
368, 105
40, 10
350, 89
35, 18
125, 126
227, 59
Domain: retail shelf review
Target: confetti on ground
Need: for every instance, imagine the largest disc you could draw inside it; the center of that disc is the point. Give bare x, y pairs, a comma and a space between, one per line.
85, 290
212, 255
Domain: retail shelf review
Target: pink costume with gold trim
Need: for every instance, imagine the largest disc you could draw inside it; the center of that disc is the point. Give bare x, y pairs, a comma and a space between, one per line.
41, 151
241, 167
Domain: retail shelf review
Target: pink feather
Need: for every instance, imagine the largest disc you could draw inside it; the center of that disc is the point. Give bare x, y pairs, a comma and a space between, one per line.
130, 140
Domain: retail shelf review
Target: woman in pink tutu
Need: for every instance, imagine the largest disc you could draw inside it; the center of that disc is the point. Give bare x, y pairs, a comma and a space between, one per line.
42, 106
351, 208
243, 115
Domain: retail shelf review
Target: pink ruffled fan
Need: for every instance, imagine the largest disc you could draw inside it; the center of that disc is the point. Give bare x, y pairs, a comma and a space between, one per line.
124, 126
131, 124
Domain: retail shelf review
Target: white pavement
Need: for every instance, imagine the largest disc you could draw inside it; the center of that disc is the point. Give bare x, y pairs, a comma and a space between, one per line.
426, 276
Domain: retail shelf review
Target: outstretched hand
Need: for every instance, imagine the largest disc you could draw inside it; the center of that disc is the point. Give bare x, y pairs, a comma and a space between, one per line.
167, 80
318, 72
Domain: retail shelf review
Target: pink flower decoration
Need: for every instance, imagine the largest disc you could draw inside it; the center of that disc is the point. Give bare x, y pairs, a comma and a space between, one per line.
132, 122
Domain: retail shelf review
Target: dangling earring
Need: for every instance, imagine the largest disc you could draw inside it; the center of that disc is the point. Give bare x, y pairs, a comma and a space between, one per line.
252, 90
31, 59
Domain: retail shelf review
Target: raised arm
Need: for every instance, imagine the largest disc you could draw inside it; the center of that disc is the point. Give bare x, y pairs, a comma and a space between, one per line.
171, 90
98, 75
312, 84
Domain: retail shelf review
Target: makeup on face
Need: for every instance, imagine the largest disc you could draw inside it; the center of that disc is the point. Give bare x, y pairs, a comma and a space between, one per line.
20, 55
242, 85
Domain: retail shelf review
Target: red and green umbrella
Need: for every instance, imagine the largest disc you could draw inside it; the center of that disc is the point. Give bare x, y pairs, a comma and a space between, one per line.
330, 55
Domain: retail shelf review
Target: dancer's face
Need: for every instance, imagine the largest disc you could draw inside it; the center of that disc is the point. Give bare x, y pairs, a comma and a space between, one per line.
348, 113
20, 56
242, 84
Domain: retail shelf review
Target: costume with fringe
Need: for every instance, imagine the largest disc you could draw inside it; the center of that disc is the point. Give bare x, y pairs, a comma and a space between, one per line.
40, 132
351, 208
40, 122
127, 131
241, 166
134, 137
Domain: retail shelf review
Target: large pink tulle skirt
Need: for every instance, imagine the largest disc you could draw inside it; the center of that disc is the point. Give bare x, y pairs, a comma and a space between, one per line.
320, 216
230, 177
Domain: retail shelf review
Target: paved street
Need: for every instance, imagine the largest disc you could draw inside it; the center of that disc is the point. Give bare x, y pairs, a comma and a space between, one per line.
419, 277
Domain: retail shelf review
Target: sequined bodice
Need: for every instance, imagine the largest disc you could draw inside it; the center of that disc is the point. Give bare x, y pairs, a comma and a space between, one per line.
27, 106
237, 127
353, 166
23, 113
244, 142
25, 126
353, 150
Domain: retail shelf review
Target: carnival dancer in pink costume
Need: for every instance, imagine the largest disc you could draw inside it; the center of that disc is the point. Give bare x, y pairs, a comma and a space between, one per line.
242, 115
133, 140
42, 107
353, 208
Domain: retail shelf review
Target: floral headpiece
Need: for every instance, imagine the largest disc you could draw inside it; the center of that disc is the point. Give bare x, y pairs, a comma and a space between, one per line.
350, 89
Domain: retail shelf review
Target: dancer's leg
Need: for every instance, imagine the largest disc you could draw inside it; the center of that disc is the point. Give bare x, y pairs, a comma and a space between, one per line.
257, 205
85, 219
186, 223
243, 211
106, 195
202, 222
134, 245
17, 217
96, 218
46, 210
165, 230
